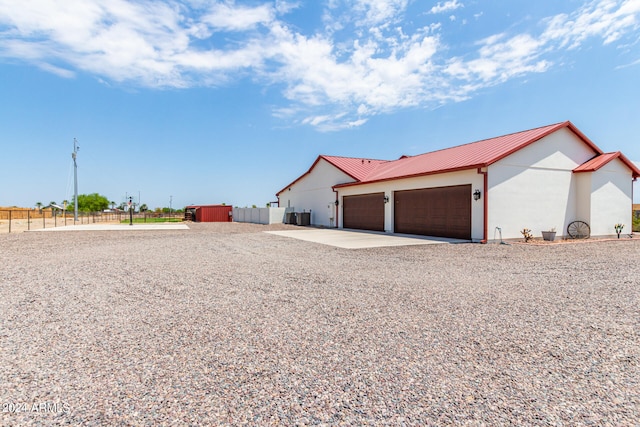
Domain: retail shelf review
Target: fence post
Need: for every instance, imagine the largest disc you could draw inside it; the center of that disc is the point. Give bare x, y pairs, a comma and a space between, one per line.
9, 221
43, 219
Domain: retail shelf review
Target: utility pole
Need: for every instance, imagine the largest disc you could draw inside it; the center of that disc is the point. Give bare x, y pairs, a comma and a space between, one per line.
170, 209
74, 155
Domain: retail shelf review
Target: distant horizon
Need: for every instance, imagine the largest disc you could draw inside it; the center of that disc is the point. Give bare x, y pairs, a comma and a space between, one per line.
636, 200
150, 208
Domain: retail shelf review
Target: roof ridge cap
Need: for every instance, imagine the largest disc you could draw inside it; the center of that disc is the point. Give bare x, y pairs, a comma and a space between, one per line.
354, 158
565, 123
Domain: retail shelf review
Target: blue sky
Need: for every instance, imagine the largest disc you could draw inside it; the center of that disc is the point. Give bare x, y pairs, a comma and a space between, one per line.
229, 101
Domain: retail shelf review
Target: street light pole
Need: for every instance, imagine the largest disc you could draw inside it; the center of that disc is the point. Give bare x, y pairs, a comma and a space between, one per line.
74, 155
130, 210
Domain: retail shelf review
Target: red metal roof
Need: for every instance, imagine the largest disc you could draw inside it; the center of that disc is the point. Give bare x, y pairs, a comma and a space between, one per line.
462, 157
468, 156
357, 168
602, 159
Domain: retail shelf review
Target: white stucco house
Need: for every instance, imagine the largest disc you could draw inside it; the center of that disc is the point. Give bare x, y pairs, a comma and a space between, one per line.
539, 179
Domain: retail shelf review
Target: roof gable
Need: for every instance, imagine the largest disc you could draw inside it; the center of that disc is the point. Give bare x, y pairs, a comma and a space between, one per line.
601, 160
355, 167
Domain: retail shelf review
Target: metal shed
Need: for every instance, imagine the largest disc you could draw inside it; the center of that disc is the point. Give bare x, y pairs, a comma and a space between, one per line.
209, 213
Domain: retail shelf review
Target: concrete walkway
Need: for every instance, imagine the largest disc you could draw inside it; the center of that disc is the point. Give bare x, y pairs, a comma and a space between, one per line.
352, 239
118, 227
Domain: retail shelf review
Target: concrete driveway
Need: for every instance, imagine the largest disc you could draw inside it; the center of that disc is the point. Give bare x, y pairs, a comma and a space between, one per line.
358, 239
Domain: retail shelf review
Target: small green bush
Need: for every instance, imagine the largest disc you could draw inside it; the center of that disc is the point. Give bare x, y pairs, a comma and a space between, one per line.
636, 224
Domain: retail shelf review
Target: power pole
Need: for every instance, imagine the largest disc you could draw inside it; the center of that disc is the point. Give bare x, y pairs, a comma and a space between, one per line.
74, 155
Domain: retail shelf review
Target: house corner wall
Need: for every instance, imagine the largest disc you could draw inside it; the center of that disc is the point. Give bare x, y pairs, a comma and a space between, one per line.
583, 197
611, 199
536, 188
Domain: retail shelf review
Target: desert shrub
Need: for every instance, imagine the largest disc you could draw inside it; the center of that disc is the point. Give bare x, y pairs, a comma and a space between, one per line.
527, 234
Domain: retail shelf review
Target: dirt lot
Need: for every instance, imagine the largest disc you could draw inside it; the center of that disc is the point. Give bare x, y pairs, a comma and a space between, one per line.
22, 225
226, 325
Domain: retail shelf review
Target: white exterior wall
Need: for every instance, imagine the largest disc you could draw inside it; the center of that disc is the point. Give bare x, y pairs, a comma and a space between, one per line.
429, 181
536, 188
611, 192
313, 193
583, 198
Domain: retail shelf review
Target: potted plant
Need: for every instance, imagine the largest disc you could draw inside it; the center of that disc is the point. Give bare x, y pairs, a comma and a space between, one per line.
549, 235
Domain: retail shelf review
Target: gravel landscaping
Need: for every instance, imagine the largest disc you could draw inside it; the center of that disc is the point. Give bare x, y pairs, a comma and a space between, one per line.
223, 324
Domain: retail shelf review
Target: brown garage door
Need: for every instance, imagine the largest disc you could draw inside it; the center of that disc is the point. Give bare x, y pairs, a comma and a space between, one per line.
364, 211
441, 211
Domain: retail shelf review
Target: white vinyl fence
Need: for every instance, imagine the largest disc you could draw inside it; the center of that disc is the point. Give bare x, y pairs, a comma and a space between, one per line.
260, 215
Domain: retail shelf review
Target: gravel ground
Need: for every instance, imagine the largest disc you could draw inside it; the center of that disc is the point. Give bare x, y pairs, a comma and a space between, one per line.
225, 325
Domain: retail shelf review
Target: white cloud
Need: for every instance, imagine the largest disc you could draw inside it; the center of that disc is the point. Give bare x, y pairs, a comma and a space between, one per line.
502, 57
606, 19
152, 43
317, 77
631, 64
364, 15
61, 72
368, 59
446, 6
238, 18
379, 11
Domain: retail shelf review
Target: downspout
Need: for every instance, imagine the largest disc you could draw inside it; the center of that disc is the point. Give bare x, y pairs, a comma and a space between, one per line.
632, 212
486, 205
337, 205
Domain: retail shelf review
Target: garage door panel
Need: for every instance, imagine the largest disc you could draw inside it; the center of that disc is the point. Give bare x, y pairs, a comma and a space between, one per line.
364, 211
441, 211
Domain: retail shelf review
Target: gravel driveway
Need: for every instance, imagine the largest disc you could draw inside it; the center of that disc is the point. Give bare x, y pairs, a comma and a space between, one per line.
226, 325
